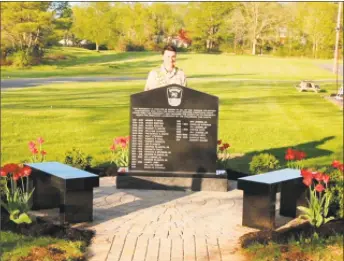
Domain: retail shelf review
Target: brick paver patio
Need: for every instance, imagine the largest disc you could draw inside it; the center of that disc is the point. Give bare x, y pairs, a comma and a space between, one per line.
158, 225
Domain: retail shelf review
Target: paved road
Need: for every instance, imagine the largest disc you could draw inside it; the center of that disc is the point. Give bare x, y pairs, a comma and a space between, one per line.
31, 82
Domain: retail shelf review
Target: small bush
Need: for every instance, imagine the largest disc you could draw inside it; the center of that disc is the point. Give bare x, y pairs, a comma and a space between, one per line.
78, 159
263, 162
336, 189
20, 59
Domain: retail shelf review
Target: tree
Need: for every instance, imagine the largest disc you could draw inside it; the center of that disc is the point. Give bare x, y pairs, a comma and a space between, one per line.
25, 27
92, 22
261, 19
318, 25
64, 20
204, 21
235, 27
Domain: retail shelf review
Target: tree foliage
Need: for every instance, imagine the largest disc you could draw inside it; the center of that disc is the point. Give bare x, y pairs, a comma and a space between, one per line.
24, 27
278, 28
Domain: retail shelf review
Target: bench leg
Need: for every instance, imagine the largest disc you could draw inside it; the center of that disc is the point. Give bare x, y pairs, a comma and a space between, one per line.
76, 206
293, 194
259, 209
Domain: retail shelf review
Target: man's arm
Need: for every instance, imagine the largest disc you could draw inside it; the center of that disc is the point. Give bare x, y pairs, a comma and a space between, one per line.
150, 83
184, 82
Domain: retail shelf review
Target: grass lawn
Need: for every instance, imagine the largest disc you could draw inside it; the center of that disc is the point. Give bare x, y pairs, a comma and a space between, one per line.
254, 117
82, 62
14, 246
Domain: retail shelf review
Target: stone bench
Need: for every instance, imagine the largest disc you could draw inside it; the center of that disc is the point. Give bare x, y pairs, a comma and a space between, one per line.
65, 187
260, 196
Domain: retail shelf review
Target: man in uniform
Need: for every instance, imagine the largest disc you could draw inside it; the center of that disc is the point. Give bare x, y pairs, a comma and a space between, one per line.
167, 73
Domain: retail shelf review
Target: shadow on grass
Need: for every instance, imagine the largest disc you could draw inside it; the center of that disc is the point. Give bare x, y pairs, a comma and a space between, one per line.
100, 58
310, 148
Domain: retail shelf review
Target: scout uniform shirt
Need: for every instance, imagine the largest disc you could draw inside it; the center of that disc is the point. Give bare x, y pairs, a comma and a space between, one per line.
161, 77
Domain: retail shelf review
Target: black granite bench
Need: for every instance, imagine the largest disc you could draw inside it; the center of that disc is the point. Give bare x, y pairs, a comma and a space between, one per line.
60, 185
260, 196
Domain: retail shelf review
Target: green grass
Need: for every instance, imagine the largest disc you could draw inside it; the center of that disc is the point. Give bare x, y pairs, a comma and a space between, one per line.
316, 249
82, 62
14, 246
254, 117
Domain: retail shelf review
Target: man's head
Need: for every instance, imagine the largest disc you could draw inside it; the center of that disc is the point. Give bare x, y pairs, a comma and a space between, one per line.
169, 57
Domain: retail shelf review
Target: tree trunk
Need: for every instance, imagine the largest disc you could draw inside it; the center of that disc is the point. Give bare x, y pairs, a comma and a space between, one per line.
97, 46
254, 43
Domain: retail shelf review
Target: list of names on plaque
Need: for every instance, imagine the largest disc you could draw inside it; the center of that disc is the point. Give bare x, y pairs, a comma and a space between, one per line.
150, 149
153, 152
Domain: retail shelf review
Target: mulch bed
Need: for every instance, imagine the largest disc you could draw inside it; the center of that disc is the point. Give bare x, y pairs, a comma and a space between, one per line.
41, 228
283, 235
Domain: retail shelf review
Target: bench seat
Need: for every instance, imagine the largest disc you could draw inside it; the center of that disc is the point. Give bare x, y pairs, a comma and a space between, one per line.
260, 196
68, 188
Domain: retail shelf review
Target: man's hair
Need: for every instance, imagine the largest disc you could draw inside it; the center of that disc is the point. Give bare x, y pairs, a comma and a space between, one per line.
169, 48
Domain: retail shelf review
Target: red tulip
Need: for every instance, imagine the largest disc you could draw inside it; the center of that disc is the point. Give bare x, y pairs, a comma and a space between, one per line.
226, 145
219, 142
40, 140
290, 151
307, 181
306, 174
289, 157
26, 171
318, 176
11, 168
222, 148
299, 155
16, 177
335, 163
3, 173
113, 147
43, 152
341, 167
34, 151
326, 178
319, 188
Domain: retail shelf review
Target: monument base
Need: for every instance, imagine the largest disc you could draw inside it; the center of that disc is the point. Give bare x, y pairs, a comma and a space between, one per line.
170, 181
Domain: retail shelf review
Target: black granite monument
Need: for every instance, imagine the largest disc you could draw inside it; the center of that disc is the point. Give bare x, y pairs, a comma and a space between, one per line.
173, 143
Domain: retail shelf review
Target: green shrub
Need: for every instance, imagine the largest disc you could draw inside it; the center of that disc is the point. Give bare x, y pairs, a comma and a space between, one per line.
20, 59
263, 162
77, 158
336, 189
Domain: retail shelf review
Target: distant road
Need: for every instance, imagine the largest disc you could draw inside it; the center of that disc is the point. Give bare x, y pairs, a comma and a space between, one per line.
31, 82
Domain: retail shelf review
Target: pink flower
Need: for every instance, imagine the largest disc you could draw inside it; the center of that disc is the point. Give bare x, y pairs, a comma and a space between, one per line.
113, 147
32, 145
43, 152
40, 140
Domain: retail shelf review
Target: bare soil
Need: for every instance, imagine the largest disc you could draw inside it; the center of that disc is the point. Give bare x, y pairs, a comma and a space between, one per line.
41, 227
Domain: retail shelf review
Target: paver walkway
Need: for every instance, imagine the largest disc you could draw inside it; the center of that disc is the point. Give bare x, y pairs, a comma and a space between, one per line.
158, 225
